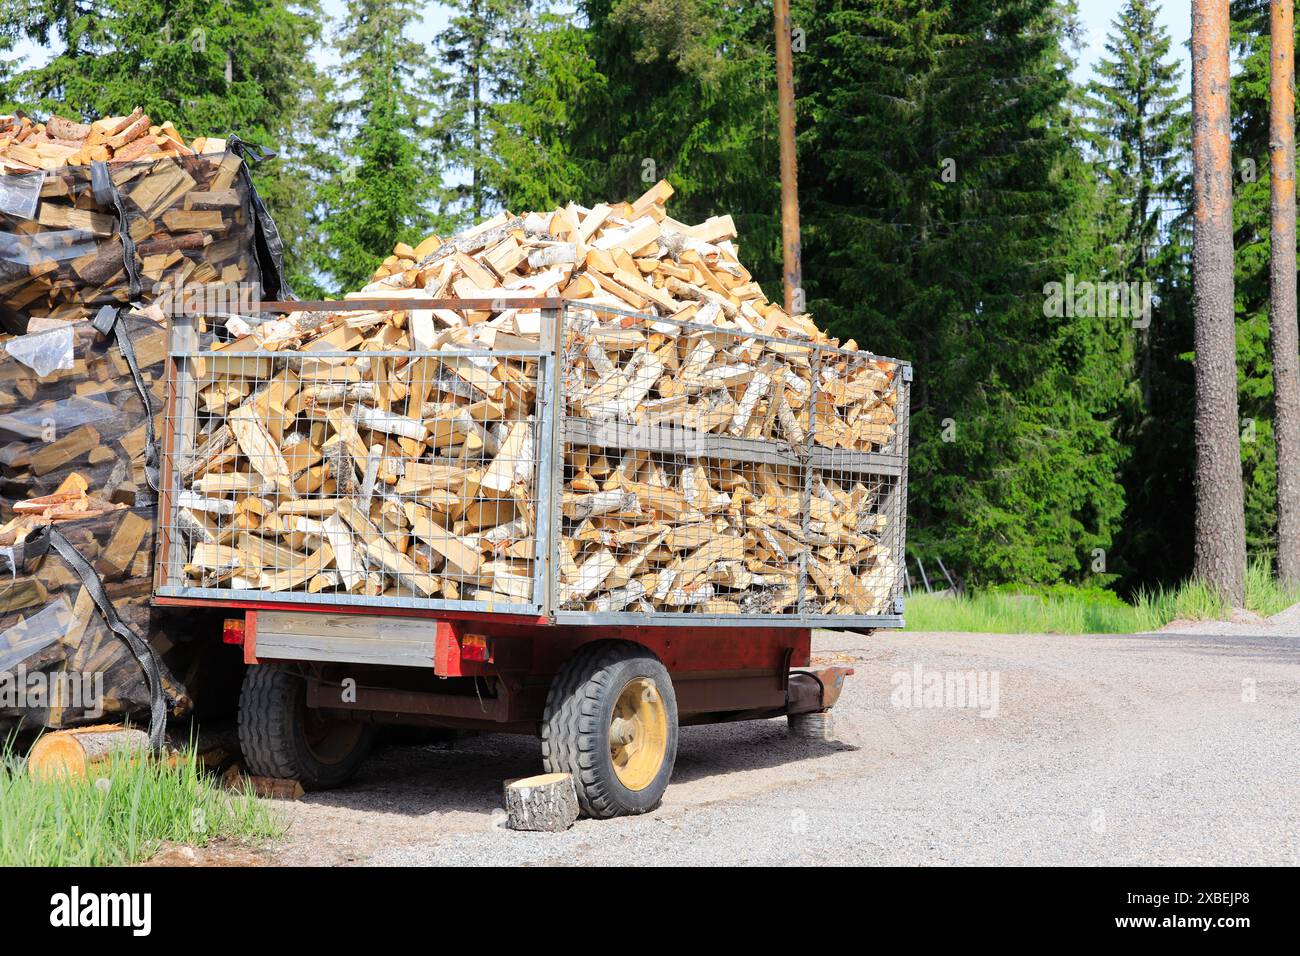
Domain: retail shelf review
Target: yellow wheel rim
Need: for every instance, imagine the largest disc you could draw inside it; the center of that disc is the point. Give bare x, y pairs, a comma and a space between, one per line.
638, 733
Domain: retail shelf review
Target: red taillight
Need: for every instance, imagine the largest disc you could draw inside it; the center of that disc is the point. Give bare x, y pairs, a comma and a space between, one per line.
474, 647
232, 631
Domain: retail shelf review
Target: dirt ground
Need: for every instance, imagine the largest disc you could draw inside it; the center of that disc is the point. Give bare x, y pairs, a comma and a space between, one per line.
1143, 749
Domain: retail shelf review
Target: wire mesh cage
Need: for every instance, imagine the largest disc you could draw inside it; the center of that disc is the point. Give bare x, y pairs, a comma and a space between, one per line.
717, 474
628, 467
342, 477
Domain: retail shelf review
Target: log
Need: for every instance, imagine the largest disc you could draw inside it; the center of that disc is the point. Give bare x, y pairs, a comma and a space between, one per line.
546, 803
84, 751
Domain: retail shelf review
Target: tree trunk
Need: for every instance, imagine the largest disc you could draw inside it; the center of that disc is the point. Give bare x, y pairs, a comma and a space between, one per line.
1220, 558
1282, 286
792, 268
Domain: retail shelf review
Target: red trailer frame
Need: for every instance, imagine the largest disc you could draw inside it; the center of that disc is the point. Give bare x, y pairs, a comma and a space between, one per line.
720, 673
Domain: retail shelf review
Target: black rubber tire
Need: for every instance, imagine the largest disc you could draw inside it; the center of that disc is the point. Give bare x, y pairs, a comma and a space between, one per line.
273, 732
575, 726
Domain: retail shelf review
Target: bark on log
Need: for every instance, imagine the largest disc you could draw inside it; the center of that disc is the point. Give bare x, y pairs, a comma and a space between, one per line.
547, 803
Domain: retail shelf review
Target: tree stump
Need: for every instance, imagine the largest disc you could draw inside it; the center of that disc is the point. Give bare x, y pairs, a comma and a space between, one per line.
546, 802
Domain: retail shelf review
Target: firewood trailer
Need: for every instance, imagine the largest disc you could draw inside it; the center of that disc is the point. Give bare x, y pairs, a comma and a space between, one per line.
593, 534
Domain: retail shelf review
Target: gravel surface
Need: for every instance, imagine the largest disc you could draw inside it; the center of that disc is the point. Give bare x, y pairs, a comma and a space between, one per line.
1145, 749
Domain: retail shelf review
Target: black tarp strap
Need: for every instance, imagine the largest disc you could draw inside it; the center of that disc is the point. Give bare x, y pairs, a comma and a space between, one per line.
46, 537
106, 321
270, 247
106, 194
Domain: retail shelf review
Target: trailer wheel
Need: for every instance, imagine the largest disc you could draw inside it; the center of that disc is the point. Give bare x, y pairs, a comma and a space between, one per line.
611, 722
282, 737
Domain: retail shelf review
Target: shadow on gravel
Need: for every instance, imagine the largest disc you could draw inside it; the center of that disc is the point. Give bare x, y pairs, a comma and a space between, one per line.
717, 749
466, 774
1268, 648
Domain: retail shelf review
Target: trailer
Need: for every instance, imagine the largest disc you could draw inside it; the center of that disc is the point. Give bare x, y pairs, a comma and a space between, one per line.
655, 570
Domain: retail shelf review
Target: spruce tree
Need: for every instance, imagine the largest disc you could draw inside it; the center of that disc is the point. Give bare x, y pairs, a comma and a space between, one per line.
548, 79
1137, 129
382, 184
937, 211
688, 94
479, 52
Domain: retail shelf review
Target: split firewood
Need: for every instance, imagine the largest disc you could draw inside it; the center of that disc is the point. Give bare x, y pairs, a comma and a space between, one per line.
184, 207
720, 455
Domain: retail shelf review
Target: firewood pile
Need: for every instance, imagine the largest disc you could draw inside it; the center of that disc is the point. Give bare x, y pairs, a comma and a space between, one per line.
26, 145
720, 456
72, 454
185, 210
77, 417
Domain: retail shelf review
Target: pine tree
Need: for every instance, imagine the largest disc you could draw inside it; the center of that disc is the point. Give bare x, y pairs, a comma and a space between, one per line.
1250, 208
1282, 286
383, 184
1220, 558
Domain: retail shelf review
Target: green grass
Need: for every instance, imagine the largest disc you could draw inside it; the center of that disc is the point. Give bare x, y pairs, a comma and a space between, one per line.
999, 612
122, 816
1068, 610
1264, 593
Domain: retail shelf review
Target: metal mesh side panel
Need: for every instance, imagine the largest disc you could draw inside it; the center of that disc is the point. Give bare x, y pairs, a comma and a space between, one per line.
718, 474
396, 478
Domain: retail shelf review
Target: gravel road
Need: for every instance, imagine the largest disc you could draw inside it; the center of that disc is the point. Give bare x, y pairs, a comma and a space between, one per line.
1146, 749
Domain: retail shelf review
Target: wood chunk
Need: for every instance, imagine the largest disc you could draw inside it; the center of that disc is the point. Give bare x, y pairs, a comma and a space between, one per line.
64, 451
546, 803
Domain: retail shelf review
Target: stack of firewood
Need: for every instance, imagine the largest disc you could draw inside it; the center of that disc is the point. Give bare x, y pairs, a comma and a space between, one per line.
26, 146
711, 448
61, 251
72, 454
82, 420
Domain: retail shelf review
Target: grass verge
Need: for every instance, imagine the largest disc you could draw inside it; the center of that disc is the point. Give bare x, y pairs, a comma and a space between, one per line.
122, 816
1066, 610
1001, 612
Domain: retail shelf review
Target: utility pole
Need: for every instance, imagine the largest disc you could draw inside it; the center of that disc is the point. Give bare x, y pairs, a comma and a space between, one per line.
1282, 285
1220, 558
792, 274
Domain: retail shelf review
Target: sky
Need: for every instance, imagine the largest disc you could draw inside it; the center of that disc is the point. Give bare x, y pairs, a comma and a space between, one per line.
1096, 16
